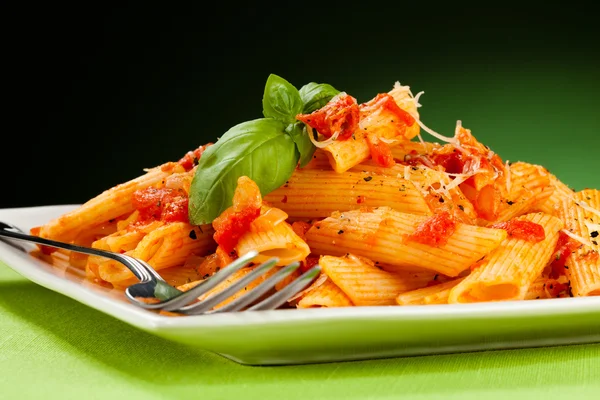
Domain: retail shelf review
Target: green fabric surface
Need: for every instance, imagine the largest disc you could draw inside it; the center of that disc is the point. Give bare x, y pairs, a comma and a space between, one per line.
54, 347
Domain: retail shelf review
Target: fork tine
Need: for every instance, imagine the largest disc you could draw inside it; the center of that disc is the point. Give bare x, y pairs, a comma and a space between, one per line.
204, 287
264, 287
283, 295
206, 304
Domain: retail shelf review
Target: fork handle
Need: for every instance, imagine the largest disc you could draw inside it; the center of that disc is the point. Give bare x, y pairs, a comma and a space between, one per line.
142, 272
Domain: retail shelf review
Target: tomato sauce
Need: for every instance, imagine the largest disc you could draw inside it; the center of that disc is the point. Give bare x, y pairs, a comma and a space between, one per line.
308, 263
385, 101
436, 230
339, 115
524, 230
191, 158
380, 151
164, 204
230, 226
564, 246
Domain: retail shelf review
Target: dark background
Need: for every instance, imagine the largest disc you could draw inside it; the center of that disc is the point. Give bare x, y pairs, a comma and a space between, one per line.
96, 94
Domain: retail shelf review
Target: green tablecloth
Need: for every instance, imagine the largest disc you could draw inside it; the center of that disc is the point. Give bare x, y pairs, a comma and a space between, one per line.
54, 347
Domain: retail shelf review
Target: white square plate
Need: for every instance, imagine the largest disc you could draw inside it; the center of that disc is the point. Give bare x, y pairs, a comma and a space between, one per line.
324, 334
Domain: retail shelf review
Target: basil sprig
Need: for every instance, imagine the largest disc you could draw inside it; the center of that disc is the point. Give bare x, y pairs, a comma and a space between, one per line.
267, 150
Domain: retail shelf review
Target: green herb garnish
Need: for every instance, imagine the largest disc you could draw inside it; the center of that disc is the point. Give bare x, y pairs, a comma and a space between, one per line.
267, 150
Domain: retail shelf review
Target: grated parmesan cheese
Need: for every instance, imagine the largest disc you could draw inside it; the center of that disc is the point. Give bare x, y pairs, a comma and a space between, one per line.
577, 238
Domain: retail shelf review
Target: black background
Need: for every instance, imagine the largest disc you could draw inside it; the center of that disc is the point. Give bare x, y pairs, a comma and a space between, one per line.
96, 94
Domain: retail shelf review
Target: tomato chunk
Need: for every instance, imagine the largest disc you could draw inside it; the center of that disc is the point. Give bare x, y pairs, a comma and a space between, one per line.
380, 151
164, 204
191, 158
525, 230
436, 230
341, 115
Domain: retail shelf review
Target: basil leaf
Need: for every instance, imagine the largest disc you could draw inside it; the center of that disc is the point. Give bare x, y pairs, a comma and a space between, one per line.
316, 95
281, 100
305, 147
258, 149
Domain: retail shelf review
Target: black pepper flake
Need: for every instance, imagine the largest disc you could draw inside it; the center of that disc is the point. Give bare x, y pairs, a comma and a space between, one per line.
566, 267
441, 199
367, 178
461, 207
435, 277
110, 221
414, 168
340, 232
205, 276
594, 234
510, 203
595, 242
193, 235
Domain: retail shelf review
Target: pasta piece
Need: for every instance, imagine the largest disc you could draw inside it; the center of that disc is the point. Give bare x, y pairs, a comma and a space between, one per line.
560, 193
365, 284
311, 193
407, 151
327, 294
528, 187
546, 288
110, 204
581, 215
381, 235
382, 122
279, 241
122, 241
507, 273
433, 185
164, 247
436, 294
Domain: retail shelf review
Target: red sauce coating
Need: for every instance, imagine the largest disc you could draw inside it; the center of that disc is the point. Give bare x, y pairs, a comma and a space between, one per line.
525, 230
341, 114
300, 228
556, 289
380, 151
164, 204
564, 246
386, 101
229, 227
436, 230
191, 158
308, 263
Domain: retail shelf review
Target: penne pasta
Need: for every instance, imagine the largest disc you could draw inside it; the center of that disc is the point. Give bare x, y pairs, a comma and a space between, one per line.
581, 216
111, 204
311, 193
381, 235
508, 271
436, 294
326, 294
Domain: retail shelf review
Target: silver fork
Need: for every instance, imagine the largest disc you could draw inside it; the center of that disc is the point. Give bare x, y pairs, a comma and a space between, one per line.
172, 299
